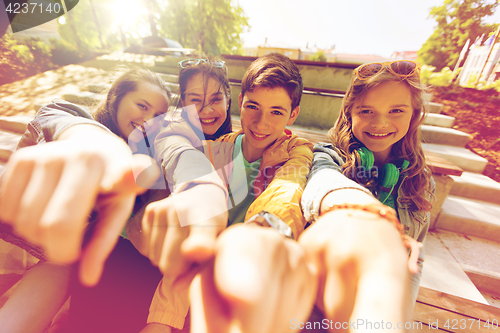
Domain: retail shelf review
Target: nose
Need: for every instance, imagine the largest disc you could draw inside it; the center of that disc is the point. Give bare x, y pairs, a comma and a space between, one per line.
149, 115
379, 121
261, 121
206, 108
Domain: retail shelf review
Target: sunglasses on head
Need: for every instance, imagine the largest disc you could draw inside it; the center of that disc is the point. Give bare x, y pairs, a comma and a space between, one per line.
193, 62
401, 68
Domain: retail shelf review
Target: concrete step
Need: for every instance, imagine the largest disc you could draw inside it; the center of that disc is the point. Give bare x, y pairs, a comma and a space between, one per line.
444, 136
172, 78
476, 186
434, 107
15, 124
459, 156
8, 143
427, 97
478, 257
86, 98
98, 88
440, 120
443, 273
470, 217
164, 70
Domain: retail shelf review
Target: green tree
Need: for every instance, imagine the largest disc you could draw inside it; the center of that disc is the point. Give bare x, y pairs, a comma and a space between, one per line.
211, 26
318, 56
457, 21
92, 21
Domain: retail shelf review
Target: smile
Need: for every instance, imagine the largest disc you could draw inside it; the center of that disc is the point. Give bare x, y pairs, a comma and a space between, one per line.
139, 127
259, 136
380, 135
208, 120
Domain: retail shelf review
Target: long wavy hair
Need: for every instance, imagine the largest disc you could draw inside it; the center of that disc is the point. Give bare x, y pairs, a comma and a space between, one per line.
416, 186
106, 111
208, 70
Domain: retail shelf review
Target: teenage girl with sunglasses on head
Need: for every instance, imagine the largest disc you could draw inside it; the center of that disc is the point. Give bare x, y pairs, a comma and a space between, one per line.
376, 144
204, 111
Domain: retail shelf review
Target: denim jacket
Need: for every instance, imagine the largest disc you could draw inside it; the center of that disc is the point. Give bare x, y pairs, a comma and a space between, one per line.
52, 119
326, 176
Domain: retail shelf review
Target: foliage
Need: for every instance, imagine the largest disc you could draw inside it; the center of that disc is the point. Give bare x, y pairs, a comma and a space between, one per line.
442, 78
457, 21
23, 59
80, 28
211, 26
64, 54
318, 56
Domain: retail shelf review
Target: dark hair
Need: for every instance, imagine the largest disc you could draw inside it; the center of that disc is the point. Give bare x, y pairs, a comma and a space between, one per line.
106, 111
274, 70
208, 70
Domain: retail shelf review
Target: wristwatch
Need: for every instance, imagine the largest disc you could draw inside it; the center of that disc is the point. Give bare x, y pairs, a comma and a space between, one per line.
267, 219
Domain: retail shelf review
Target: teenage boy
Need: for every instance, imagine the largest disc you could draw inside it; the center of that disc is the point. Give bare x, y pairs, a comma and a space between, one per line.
264, 161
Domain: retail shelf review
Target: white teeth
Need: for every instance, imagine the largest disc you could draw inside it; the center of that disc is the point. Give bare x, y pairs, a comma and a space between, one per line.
140, 128
379, 134
259, 136
208, 120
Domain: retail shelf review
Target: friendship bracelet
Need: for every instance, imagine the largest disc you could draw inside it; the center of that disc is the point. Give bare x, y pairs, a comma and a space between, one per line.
383, 211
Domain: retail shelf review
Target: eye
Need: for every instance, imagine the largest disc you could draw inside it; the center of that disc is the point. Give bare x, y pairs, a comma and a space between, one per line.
397, 111
276, 112
195, 100
142, 106
364, 112
251, 106
216, 100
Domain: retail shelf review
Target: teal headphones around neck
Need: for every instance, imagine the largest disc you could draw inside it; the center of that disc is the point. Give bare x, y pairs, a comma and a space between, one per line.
388, 177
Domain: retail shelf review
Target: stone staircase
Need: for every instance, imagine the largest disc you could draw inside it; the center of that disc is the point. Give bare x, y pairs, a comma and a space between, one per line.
463, 246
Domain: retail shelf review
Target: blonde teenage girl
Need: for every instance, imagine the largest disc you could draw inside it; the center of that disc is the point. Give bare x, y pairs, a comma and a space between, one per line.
376, 144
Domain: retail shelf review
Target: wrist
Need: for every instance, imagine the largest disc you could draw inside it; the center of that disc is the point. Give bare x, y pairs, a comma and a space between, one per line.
377, 209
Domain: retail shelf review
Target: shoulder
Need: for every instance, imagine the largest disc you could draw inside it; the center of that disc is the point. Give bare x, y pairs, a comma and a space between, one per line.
229, 137
61, 107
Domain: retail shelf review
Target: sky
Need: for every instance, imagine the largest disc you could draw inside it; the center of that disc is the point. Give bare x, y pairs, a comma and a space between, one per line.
378, 27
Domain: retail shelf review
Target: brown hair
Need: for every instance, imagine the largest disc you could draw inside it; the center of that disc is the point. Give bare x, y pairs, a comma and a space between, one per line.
106, 111
208, 70
416, 186
274, 70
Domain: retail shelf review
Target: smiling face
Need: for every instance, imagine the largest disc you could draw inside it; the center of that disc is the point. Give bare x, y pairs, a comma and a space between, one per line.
211, 103
264, 115
382, 117
139, 106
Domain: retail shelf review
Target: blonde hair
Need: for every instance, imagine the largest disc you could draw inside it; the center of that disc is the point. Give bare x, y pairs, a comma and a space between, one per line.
416, 186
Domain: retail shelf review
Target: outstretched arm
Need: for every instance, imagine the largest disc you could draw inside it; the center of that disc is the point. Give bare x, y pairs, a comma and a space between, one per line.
361, 261
48, 191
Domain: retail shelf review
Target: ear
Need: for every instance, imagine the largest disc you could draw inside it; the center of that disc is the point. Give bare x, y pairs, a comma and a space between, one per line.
183, 104
293, 115
240, 100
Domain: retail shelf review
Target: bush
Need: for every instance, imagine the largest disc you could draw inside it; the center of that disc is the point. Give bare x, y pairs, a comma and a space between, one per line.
23, 59
64, 54
441, 79
318, 56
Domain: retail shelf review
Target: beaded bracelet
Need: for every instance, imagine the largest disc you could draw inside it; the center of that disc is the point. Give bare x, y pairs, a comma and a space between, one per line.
383, 211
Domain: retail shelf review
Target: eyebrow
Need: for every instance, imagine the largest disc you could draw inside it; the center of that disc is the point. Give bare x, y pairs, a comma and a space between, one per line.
392, 106
272, 107
195, 94
146, 102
